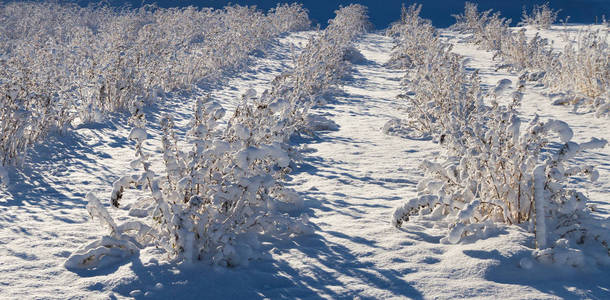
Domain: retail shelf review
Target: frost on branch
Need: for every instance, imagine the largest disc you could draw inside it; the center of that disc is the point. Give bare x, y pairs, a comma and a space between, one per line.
101, 253
112, 248
539, 199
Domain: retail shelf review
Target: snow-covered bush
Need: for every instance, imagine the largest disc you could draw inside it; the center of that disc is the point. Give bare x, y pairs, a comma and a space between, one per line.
582, 72
353, 17
493, 33
282, 110
213, 202
519, 54
438, 92
289, 17
542, 16
321, 65
62, 64
210, 203
488, 30
27, 115
412, 35
495, 173
310, 76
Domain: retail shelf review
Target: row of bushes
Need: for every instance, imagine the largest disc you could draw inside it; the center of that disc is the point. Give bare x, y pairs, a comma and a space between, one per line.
495, 170
580, 72
62, 65
223, 188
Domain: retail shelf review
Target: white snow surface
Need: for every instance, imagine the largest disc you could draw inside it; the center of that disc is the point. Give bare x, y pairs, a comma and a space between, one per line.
352, 180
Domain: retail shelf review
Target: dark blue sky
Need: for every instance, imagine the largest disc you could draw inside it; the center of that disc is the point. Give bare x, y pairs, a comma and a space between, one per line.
383, 12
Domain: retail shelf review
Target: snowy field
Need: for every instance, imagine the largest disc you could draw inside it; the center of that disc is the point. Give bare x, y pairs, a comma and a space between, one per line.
351, 180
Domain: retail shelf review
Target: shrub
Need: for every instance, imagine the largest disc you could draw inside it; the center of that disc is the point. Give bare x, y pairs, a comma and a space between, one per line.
520, 54
582, 72
495, 174
488, 30
289, 17
493, 33
438, 91
542, 16
412, 35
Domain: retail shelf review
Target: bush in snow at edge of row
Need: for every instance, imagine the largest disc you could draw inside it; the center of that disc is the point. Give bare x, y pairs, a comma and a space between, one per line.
495, 170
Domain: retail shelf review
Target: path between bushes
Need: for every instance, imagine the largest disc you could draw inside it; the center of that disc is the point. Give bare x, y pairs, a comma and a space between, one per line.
353, 179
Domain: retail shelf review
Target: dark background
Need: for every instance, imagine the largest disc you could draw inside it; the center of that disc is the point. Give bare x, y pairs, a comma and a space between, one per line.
383, 12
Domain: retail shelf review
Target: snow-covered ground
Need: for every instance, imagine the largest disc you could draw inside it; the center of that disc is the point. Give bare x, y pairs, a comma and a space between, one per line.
352, 179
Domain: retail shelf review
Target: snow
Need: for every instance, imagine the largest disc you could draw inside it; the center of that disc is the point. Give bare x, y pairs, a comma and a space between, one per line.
540, 199
352, 178
138, 134
502, 86
4, 179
